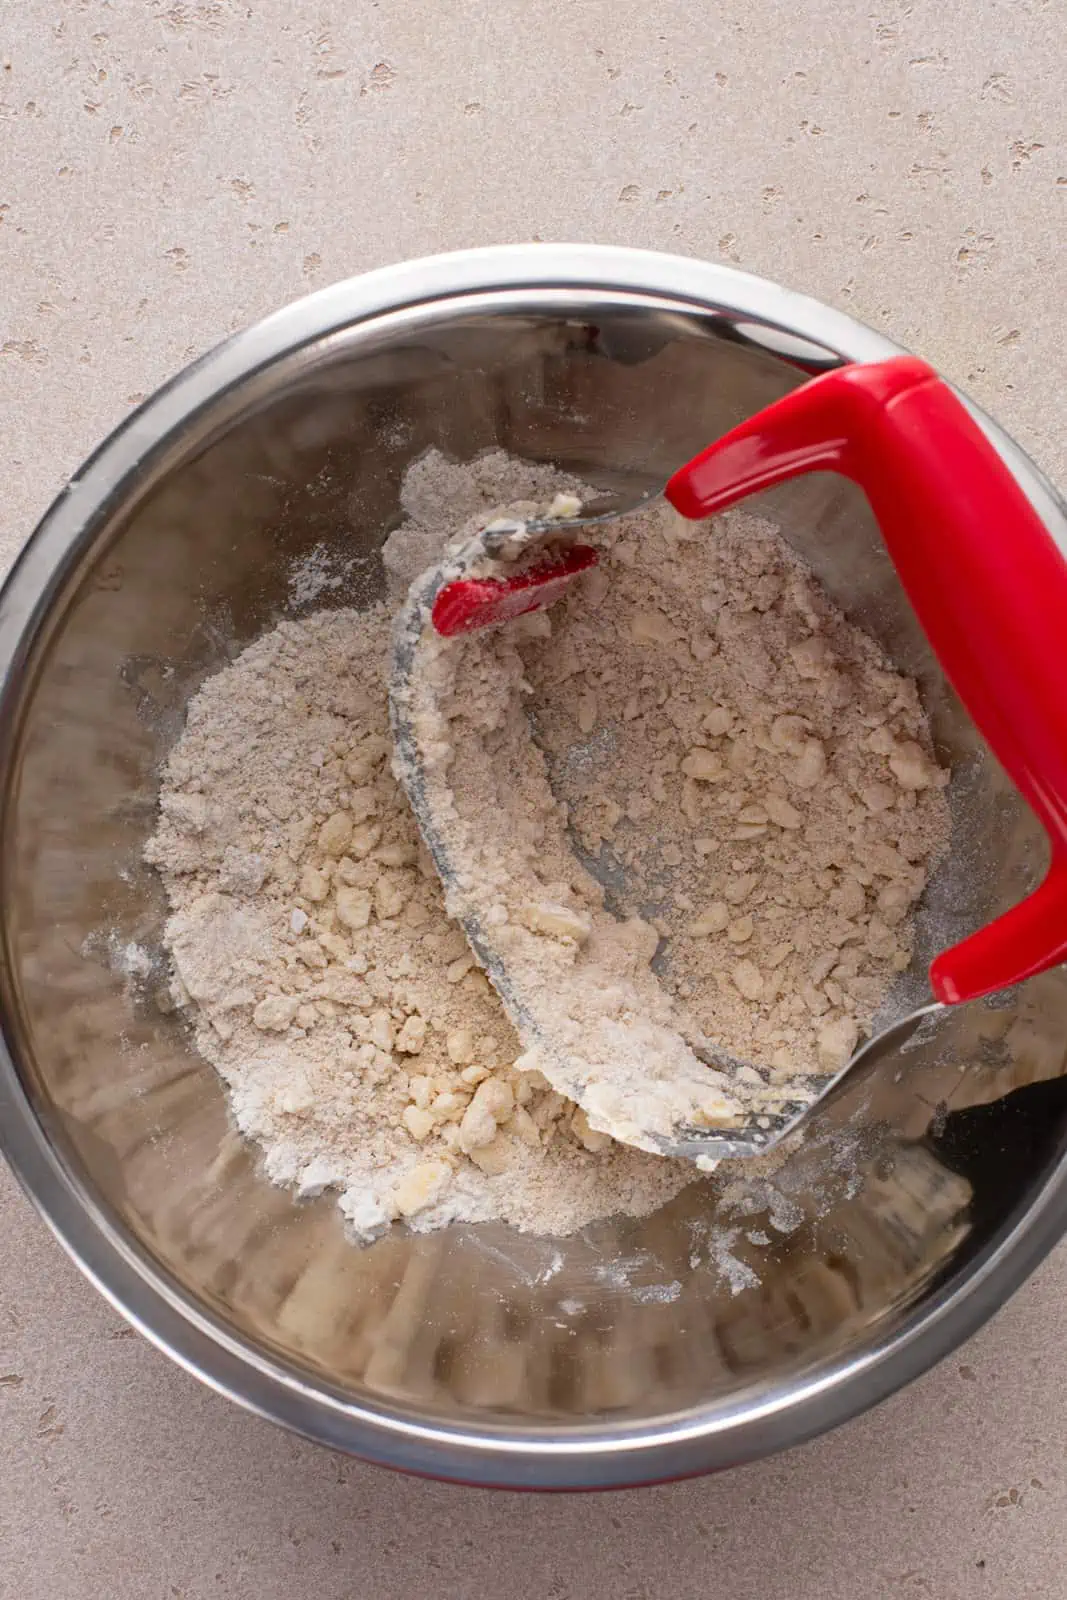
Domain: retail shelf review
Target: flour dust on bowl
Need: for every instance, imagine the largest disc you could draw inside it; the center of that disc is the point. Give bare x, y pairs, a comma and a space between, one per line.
745, 1314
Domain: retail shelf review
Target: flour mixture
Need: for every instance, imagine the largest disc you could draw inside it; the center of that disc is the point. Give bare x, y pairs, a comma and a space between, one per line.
708, 721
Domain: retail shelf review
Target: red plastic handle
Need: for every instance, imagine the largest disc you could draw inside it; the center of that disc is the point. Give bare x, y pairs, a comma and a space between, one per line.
472, 603
984, 575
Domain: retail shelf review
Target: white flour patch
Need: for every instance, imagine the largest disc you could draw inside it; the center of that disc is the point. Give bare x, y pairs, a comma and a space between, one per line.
321, 571
737, 1273
658, 1294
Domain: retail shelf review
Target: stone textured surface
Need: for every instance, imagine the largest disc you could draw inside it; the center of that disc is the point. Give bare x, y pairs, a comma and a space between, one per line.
172, 169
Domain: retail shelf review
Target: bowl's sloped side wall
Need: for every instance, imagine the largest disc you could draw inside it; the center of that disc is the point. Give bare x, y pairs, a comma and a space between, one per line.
478, 1326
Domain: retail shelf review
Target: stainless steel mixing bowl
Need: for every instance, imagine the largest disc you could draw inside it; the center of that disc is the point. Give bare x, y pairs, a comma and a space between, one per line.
637, 1350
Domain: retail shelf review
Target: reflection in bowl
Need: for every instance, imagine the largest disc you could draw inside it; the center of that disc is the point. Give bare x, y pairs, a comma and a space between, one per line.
745, 1315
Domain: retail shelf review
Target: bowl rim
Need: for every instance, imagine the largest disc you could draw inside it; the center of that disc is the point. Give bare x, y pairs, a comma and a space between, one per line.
594, 1455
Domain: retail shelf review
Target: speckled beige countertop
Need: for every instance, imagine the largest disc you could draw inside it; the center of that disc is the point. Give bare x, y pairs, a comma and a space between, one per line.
171, 170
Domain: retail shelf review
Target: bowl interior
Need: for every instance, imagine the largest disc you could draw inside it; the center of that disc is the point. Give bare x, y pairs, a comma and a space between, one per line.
275, 504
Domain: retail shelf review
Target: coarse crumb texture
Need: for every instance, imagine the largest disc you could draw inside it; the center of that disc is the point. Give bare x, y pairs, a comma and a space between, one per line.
736, 756
741, 769
752, 776
361, 1046
576, 980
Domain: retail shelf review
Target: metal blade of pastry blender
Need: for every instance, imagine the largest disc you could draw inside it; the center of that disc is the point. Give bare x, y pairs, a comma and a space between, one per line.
771, 1110
781, 1113
875, 1060
883, 412
604, 507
